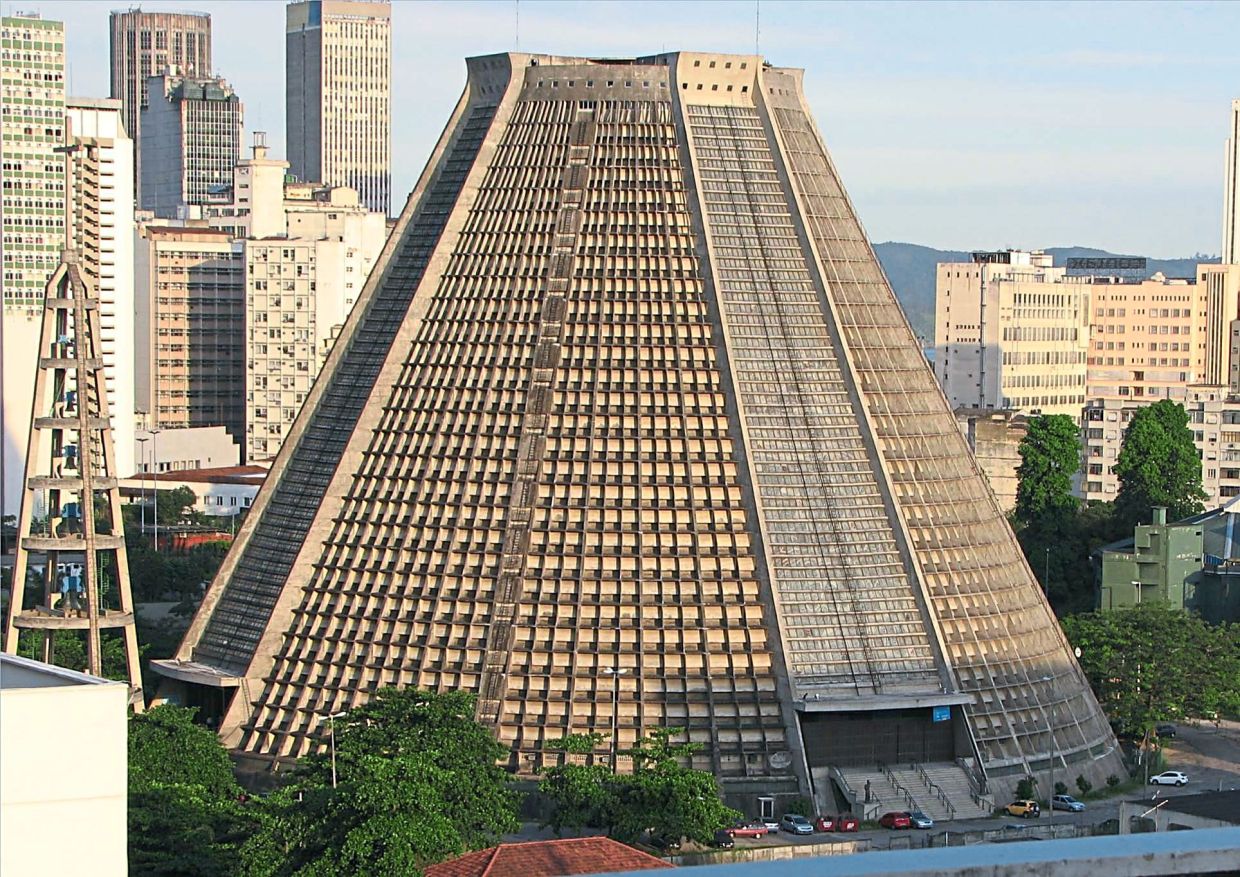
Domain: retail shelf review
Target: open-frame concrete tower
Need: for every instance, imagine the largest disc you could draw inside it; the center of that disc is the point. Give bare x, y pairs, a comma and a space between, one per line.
627, 400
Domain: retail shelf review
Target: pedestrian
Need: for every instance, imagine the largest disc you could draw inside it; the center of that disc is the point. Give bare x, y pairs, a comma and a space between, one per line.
867, 791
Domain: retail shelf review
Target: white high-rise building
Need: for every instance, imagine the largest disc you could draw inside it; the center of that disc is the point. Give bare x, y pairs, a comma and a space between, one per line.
32, 90
1231, 190
103, 221
300, 288
338, 56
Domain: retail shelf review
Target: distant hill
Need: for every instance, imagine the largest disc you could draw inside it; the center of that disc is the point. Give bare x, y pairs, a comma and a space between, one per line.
911, 269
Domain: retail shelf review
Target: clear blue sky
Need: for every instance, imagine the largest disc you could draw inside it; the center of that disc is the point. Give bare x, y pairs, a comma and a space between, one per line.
956, 125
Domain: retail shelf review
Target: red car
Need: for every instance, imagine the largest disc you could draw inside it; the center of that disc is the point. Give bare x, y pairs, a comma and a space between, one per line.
824, 823
847, 822
757, 828
895, 820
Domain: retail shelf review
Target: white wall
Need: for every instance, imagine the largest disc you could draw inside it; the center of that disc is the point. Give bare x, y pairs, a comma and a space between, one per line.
63, 772
101, 119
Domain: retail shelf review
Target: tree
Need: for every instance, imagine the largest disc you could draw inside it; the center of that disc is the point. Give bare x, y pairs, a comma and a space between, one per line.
581, 794
1151, 663
69, 651
1050, 455
1158, 465
417, 782
661, 795
186, 815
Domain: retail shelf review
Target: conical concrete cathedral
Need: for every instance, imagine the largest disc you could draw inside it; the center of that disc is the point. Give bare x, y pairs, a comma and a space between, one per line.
627, 430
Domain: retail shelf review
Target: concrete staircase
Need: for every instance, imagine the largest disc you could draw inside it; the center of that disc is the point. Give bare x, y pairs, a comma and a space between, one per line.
882, 797
942, 791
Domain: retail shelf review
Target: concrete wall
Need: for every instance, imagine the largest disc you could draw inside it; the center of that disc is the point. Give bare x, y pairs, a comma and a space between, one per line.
62, 773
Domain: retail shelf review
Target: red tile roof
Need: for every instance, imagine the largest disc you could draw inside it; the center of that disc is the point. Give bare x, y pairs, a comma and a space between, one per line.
549, 858
221, 475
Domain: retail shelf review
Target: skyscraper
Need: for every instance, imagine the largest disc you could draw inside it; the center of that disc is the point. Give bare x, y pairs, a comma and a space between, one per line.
1231, 190
32, 128
191, 139
146, 44
338, 95
628, 415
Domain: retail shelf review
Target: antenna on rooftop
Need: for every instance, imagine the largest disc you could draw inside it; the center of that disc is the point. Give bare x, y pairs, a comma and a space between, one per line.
757, 27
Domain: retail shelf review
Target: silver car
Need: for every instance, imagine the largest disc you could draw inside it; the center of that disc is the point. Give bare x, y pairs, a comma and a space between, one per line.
1066, 802
920, 820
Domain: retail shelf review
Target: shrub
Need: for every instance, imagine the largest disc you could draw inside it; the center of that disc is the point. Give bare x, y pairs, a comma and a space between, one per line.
1025, 788
1083, 784
1061, 788
1112, 781
801, 807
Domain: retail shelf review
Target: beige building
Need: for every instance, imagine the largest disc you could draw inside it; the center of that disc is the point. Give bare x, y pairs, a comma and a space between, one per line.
1151, 339
299, 291
190, 328
1011, 333
338, 56
63, 771
994, 437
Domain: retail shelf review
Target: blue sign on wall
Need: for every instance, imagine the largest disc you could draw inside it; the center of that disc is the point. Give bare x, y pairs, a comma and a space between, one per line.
942, 714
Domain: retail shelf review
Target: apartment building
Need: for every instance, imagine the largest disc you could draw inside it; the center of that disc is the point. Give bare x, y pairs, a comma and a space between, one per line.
190, 328
191, 141
1011, 332
32, 215
1213, 416
1152, 339
300, 288
101, 176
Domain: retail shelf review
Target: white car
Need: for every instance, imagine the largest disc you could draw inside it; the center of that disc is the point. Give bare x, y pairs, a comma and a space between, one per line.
1169, 778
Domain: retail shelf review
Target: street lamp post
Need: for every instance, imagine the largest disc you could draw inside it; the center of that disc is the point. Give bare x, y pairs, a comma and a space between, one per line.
331, 734
615, 673
155, 480
142, 479
1050, 727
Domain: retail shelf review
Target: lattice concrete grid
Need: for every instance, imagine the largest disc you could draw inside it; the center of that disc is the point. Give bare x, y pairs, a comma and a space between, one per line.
628, 402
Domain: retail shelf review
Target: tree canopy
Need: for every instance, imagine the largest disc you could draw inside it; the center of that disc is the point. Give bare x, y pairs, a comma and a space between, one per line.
662, 795
1158, 465
1151, 663
417, 782
1050, 455
185, 810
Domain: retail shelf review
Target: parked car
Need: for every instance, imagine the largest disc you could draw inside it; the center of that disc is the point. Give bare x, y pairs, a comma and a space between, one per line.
1165, 730
824, 823
771, 823
895, 820
847, 822
670, 844
1025, 809
794, 824
753, 828
1066, 802
723, 839
1169, 778
920, 820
